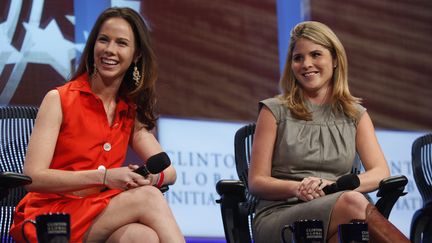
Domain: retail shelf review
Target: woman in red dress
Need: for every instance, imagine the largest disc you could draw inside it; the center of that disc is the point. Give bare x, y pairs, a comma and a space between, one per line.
78, 146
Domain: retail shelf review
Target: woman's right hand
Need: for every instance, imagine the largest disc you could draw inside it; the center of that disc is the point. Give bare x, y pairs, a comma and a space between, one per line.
124, 178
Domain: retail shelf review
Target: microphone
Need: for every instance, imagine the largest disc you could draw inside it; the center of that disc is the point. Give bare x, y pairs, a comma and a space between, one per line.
155, 164
345, 182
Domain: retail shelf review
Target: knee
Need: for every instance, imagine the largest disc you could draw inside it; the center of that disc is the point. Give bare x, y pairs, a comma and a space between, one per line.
134, 233
146, 196
140, 232
353, 203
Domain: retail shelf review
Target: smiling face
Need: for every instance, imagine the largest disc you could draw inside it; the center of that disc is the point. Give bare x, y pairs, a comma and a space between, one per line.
114, 49
312, 66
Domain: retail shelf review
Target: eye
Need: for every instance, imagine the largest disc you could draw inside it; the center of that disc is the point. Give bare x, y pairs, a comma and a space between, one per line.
315, 54
297, 58
122, 43
102, 39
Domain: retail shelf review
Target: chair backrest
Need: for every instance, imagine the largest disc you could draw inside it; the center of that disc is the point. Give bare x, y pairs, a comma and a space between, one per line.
16, 125
242, 148
421, 155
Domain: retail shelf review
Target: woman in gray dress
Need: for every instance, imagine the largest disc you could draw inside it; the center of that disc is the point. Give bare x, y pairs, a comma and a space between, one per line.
307, 137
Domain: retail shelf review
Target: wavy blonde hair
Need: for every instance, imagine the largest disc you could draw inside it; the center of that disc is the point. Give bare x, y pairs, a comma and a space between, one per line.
291, 90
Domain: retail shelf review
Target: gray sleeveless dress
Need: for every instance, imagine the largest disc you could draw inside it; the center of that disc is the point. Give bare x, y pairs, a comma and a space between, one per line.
323, 147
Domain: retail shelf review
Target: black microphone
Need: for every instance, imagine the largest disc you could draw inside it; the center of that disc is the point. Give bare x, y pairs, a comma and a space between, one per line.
345, 182
155, 164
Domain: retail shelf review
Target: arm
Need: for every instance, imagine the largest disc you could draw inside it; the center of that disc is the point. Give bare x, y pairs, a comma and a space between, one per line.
41, 149
261, 183
145, 145
371, 155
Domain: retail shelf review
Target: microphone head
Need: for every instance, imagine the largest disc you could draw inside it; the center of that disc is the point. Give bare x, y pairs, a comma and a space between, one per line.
348, 182
158, 162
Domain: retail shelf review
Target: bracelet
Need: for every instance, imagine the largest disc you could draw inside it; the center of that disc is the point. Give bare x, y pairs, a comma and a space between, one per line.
105, 176
157, 180
160, 180
102, 168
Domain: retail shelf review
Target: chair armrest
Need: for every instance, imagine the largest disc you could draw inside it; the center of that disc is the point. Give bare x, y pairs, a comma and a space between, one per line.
3, 193
234, 219
389, 191
12, 179
233, 189
391, 184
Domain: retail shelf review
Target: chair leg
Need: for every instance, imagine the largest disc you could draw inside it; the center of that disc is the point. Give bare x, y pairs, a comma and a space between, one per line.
380, 229
427, 232
421, 227
417, 232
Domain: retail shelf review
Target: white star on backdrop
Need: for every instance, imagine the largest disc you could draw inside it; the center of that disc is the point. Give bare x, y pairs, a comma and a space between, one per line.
8, 54
48, 46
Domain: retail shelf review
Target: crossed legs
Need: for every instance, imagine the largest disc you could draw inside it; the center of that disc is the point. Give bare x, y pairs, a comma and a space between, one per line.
353, 205
137, 215
350, 205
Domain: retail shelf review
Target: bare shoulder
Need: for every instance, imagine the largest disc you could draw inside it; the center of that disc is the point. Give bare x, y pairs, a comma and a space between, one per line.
52, 96
140, 128
365, 123
266, 119
51, 107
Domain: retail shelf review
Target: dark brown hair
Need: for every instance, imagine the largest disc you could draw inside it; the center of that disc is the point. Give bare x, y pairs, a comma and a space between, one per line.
143, 95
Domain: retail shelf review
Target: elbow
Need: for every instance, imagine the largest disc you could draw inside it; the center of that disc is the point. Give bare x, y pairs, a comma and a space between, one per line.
32, 187
38, 179
253, 191
28, 188
171, 175
385, 172
253, 186
174, 177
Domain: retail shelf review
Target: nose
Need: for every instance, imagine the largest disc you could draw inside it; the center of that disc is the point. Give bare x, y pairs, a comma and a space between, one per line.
110, 47
307, 62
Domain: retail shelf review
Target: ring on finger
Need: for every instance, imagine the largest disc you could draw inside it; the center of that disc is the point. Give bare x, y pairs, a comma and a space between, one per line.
319, 185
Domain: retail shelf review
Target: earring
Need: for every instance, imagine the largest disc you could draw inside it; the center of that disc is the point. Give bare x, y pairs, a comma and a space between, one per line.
94, 70
136, 75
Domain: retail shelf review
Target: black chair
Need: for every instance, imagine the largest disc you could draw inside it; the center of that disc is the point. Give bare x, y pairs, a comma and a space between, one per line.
421, 154
16, 125
238, 205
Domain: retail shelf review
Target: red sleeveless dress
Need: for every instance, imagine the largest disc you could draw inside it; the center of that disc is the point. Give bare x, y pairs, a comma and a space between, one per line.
85, 142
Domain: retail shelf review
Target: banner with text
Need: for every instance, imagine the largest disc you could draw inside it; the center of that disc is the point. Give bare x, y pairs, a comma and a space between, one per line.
202, 153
